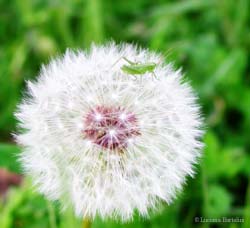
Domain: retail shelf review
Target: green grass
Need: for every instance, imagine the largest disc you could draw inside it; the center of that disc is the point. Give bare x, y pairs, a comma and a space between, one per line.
209, 39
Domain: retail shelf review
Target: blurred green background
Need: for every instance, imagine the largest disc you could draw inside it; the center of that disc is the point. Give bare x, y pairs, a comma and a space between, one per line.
209, 39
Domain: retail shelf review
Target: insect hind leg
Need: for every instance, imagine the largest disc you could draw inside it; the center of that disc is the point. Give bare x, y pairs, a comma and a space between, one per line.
154, 76
116, 62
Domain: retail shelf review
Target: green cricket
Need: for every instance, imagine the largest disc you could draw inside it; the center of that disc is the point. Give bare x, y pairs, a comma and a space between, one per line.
135, 68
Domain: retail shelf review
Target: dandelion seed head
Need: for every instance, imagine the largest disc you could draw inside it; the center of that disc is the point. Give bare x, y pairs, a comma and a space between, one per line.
108, 141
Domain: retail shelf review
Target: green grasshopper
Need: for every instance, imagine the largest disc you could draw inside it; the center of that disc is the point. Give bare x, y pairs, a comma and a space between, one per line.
135, 68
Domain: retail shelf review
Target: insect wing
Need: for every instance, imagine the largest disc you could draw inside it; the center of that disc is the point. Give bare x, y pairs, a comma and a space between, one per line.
143, 68
131, 69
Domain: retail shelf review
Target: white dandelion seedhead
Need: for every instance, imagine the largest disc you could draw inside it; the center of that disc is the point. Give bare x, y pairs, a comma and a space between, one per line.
110, 141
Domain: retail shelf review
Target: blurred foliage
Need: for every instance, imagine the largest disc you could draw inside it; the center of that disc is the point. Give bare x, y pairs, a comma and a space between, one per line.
209, 39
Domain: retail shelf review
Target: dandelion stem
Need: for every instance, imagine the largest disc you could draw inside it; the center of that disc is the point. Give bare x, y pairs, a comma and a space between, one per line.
52, 217
86, 223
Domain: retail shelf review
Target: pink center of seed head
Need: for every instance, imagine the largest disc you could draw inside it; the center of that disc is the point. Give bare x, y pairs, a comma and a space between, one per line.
110, 127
